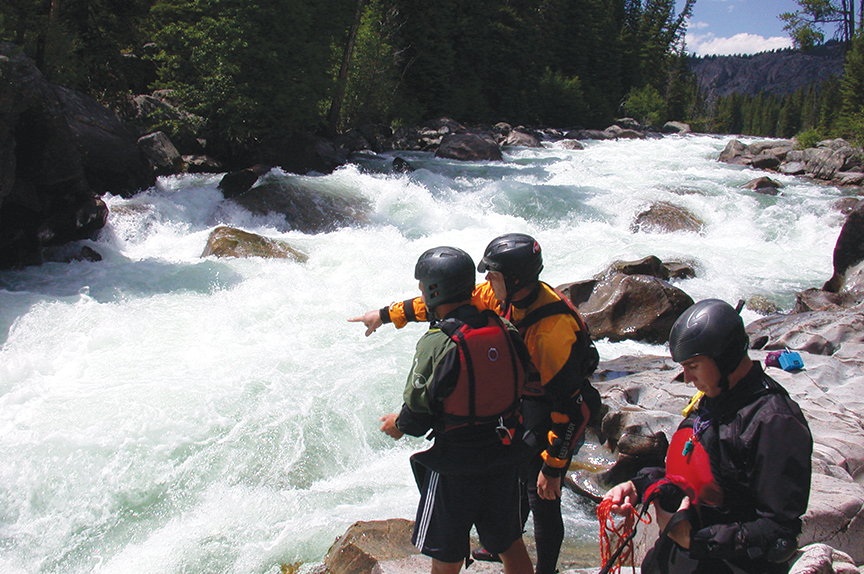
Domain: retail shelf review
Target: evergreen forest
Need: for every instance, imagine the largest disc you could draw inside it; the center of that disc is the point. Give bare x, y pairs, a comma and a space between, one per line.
249, 69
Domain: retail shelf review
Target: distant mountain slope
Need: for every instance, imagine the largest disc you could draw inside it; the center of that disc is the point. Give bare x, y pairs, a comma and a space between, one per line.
780, 72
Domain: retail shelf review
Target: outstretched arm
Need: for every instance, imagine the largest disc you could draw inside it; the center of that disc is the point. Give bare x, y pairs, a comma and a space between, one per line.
372, 320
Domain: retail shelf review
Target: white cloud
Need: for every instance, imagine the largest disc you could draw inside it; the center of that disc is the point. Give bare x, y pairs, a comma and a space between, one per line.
709, 45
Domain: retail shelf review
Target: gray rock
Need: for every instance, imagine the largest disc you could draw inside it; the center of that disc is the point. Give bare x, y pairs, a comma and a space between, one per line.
161, 153
305, 208
818, 332
365, 546
734, 152
521, 138
676, 128
793, 168
572, 145
469, 147
822, 559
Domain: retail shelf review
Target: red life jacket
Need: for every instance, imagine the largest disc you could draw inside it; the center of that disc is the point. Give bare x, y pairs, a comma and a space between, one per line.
491, 378
689, 468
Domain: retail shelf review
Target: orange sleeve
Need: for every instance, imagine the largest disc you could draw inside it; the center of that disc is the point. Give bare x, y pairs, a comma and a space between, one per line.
414, 311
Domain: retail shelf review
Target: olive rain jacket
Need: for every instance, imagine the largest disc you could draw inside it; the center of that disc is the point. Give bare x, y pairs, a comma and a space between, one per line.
437, 397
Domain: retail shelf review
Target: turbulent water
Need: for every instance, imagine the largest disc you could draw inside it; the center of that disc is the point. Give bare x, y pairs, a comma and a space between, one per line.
164, 413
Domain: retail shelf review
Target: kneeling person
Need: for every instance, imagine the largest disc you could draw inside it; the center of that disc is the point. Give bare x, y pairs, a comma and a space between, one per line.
743, 514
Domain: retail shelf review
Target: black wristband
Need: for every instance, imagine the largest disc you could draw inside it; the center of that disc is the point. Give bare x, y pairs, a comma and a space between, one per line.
384, 314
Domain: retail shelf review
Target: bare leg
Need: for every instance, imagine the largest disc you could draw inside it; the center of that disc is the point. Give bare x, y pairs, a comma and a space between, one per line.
516, 559
439, 567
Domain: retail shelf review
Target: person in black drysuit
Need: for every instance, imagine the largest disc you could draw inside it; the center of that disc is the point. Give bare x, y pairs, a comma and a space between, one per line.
759, 446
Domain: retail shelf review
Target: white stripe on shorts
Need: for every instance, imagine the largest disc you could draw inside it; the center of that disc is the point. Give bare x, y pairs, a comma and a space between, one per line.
426, 514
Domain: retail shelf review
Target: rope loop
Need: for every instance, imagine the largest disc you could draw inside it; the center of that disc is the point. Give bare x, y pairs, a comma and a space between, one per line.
613, 534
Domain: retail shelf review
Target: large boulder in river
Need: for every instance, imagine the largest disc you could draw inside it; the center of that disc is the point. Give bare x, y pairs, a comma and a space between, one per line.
469, 147
849, 249
664, 217
241, 181
520, 137
59, 150
230, 242
637, 307
305, 208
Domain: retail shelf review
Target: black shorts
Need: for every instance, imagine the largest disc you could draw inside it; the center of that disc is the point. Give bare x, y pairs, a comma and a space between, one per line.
450, 505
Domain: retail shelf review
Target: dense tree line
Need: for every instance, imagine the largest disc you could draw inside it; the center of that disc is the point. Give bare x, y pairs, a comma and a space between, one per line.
812, 113
252, 67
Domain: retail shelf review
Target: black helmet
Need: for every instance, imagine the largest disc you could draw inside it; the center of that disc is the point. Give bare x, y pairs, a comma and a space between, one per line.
447, 275
516, 256
714, 329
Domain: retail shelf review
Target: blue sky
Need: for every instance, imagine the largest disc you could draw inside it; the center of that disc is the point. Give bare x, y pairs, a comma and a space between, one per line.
724, 27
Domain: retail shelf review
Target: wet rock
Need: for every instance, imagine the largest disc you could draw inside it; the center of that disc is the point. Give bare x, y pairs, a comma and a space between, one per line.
401, 166
625, 134
301, 153
764, 185
735, 152
650, 265
353, 140
230, 242
765, 161
572, 145
520, 138
241, 181
793, 168
444, 125
762, 305
469, 147
59, 151
663, 217
582, 134
849, 249
637, 307
306, 208
680, 269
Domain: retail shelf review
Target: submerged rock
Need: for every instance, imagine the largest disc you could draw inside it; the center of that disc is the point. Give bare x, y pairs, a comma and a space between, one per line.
230, 242
664, 217
305, 208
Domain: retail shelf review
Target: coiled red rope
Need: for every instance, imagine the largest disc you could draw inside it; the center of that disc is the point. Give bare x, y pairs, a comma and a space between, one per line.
616, 539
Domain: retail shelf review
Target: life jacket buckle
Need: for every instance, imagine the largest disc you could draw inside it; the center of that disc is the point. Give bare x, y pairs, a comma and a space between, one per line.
505, 435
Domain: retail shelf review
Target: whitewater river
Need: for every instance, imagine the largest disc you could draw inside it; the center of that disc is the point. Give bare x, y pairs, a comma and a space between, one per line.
162, 413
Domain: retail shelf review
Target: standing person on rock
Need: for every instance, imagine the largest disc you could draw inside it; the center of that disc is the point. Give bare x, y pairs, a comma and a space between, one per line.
738, 510
466, 385
561, 349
